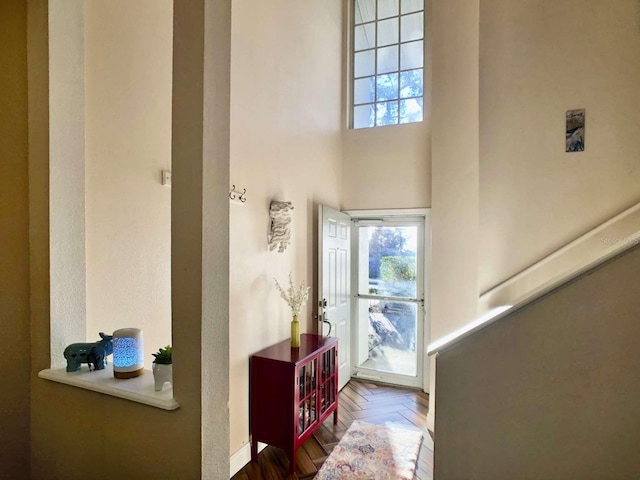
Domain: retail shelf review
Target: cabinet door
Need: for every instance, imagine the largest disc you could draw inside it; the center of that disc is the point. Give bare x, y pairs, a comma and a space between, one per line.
327, 379
307, 384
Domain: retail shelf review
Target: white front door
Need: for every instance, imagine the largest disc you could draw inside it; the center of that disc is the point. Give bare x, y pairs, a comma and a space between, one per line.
334, 283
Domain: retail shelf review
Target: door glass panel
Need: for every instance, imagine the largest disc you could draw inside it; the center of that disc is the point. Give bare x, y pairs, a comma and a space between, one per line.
392, 337
390, 261
307, 379
388, 318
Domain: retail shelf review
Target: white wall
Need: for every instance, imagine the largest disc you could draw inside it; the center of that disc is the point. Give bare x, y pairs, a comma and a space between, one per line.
515, 196
454, 217
388, 167
128, 143
539, 59
286, 72
536, 60
67, 225
551, 390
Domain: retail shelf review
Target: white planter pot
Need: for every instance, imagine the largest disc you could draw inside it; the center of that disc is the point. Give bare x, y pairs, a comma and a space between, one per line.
161, 375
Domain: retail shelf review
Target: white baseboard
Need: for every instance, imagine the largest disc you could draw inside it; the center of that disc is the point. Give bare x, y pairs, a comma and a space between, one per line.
243, 456
431, 422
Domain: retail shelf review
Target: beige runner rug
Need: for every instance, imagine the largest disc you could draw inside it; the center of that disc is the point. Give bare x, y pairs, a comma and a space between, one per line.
373, 452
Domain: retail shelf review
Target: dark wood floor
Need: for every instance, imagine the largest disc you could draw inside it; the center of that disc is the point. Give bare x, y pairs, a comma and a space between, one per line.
358, 401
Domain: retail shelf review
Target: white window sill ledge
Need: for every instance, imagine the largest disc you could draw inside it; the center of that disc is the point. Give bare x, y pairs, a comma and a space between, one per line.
139, 389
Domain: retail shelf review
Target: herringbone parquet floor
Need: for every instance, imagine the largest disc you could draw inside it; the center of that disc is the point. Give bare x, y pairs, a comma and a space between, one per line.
368, 402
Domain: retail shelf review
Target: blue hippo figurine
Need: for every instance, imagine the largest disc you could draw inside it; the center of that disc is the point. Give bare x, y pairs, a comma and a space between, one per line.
90, 353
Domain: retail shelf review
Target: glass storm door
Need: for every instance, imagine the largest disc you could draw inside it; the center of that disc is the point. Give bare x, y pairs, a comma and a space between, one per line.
390, 300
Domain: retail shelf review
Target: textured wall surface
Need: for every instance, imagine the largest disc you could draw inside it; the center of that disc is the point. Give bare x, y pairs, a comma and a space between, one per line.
67, 175
550, 391
128, 135
539, 59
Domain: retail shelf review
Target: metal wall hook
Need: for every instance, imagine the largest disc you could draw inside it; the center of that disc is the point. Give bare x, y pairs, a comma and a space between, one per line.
236, 195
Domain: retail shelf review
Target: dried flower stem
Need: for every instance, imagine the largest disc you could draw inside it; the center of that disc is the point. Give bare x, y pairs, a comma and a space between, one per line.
295, 298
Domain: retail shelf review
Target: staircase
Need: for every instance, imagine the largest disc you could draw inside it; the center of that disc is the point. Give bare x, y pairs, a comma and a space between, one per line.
548, 388
551, 389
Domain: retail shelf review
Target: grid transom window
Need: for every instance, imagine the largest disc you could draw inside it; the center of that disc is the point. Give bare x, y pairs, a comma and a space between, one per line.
388, 62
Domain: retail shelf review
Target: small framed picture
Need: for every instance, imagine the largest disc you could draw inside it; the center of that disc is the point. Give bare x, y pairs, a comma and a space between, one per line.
575, 130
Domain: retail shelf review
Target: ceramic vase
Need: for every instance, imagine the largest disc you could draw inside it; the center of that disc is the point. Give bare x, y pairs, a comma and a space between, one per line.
295, 332
161, 374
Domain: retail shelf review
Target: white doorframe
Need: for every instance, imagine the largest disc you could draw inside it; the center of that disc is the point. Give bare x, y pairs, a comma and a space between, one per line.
426, 327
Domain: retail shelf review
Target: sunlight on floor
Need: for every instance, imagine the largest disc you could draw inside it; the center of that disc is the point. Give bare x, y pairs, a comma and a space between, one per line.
384, 358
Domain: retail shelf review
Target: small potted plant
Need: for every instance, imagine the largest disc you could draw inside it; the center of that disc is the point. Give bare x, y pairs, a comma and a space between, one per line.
162, 367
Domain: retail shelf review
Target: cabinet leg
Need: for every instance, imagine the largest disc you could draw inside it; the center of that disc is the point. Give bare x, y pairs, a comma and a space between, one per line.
292, 460
335, 416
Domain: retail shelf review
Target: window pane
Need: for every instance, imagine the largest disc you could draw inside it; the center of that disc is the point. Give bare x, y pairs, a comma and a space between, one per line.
364, 63
388, 62
411, 83
388, 59
363, 116
387, 87
365, 11
363, 90
412, 28
409, 6
411, 55
387, 8
364, 36
411, 110
388, 32
387, 113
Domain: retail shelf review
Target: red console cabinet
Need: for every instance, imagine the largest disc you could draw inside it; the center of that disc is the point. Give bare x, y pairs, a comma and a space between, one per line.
293, 391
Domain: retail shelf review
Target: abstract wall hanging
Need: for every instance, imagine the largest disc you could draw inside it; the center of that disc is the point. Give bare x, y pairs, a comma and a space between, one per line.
280, 235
